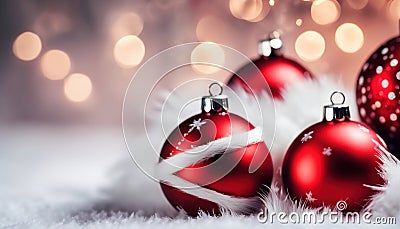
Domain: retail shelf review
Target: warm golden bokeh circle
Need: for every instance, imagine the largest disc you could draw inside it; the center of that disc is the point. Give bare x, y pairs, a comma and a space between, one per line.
55, 64
27, 46
77, 87
129, 51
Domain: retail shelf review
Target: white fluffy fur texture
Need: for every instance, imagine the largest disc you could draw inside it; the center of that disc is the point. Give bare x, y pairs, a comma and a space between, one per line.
130, 199
387, 201
301, 107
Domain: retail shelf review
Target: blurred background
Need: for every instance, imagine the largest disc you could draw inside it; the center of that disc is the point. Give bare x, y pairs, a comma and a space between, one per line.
70, 61
66, 64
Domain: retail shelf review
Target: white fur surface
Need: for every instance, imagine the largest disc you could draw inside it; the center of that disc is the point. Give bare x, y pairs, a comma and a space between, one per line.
387, 201
62, 178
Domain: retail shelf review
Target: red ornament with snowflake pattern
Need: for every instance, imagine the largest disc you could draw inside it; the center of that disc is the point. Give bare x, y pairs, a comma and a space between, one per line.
378, 93
276, 70
226, 173
332, 161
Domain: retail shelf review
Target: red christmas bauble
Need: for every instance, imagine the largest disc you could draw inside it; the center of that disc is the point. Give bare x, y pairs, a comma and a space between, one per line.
277, 71
225, 174
332, 161
378, 93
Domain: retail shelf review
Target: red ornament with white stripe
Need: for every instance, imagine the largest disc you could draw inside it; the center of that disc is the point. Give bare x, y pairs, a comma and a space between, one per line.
378, 93
215, 160
333, 162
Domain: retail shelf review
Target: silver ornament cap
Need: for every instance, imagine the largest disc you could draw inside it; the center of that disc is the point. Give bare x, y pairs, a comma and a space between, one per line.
215, 102
337, 111
270, 46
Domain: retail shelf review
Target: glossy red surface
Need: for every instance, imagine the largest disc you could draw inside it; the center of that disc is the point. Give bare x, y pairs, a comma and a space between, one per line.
378, 93
277, 70
332, 164
226, 173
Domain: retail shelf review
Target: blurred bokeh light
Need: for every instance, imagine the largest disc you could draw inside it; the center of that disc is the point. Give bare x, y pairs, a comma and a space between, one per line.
77, 87
207, 53
358, 4
325, 11
129, 51
310, 46
51, 24
66, 64
211, 28
27, 46
264, 11
394, 9
127, 24
299, 22
349, 37
248, 10
55, 64
109, 41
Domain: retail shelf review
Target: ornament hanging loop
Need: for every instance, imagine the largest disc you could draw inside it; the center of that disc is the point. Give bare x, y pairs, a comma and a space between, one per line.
337, 93
337, 111
221, 89
215, 102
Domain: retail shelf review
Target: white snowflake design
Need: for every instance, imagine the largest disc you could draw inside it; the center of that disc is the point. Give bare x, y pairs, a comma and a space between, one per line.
309, 197
363, 129
196, 124
327, 151
307, 136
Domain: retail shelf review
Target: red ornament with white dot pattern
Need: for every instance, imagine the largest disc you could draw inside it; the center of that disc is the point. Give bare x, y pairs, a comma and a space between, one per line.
378, 93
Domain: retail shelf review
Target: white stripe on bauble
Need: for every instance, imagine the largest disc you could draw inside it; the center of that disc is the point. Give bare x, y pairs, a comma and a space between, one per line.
166, 169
